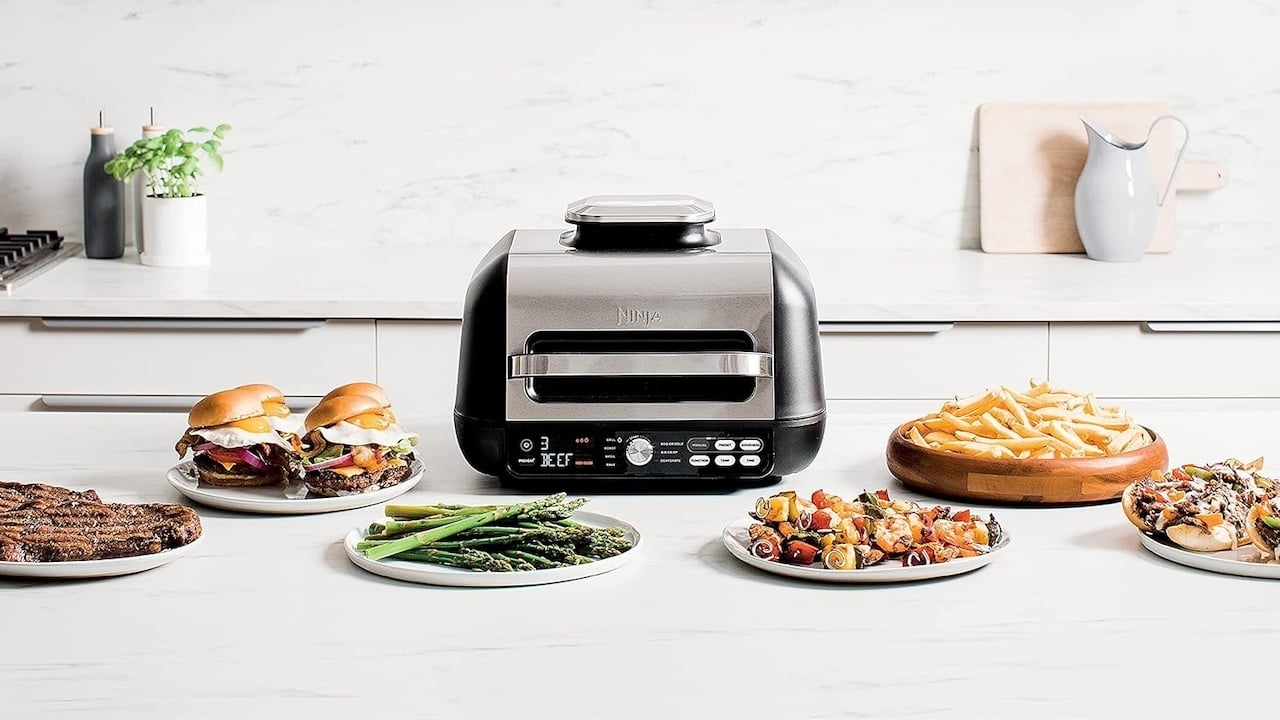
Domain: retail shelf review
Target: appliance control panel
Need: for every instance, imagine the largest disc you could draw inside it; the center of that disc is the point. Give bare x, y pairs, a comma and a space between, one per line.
537, 450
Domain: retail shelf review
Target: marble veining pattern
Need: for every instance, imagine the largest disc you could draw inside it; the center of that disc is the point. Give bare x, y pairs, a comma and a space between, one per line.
438, 124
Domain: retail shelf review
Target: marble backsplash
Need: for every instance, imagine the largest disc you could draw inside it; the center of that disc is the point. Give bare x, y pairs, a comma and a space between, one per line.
840, 124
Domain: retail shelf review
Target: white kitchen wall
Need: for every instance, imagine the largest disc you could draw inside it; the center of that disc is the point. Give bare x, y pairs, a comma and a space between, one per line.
841, 124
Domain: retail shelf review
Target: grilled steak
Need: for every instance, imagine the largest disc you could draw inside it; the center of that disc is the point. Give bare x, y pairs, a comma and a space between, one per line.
13, 495
49, 527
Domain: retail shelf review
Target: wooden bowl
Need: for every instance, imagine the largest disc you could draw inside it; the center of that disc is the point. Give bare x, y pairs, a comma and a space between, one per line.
1032, 482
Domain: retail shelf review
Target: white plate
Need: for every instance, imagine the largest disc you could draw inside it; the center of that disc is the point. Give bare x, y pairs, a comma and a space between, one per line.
1248, 561
272, 501
736, 540
430, 574
85, 569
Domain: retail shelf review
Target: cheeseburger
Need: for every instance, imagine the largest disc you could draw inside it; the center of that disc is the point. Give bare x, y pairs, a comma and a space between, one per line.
353, 445
245, 436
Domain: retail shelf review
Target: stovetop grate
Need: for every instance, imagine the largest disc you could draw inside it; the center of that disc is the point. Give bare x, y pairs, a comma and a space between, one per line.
25, 255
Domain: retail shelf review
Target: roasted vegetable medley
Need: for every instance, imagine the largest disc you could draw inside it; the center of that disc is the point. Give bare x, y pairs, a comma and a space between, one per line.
844, 534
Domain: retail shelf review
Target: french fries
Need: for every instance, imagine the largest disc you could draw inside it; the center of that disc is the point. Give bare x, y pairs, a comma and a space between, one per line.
1042, 422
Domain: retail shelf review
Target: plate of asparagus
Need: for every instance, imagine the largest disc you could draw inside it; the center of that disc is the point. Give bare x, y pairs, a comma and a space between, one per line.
528, 543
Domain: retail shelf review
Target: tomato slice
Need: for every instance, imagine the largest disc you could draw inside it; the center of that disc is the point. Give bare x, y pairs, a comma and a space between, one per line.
819, 498
225, 457
962, 516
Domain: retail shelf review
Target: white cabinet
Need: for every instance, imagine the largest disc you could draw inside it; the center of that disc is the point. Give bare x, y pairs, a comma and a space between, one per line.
143, 358
418, 364
132, 364
929, 360
1167, 359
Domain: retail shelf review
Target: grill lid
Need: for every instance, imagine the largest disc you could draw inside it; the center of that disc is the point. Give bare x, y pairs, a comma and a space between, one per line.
640, 209
640, 222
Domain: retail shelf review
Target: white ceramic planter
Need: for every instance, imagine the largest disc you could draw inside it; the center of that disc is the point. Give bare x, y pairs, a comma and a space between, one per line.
177, 231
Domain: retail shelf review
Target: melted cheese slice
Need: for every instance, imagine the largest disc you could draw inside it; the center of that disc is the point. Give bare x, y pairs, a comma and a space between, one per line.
347, 471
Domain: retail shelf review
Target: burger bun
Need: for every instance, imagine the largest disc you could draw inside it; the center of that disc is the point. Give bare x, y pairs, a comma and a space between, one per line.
265, 393
226, 406
367, 389
340, 407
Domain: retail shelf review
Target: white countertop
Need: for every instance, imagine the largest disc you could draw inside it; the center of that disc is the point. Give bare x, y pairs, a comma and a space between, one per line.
391, 282
267, 617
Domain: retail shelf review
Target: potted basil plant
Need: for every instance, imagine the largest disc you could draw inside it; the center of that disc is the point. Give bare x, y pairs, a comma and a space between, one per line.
174, 213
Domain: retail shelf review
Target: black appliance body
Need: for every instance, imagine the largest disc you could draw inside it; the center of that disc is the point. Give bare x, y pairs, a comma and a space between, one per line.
640, 349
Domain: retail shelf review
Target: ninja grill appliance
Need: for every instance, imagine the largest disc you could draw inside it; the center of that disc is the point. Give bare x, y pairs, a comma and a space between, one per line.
639, 347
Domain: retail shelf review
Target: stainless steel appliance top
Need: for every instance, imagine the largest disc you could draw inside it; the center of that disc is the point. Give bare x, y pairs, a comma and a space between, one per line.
551, 287
640, 209
731, 242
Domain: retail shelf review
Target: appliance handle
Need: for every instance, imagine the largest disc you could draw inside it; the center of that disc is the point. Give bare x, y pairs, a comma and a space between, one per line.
724, 364
140, 403
81, 323
873, 328
1212, 327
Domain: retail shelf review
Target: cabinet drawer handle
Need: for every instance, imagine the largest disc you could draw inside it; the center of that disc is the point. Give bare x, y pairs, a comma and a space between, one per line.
143, 403
1212, 327
873, 328
178, 324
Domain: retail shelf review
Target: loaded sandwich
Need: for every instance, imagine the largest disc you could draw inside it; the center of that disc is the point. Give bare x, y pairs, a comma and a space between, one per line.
354, 444
243, 437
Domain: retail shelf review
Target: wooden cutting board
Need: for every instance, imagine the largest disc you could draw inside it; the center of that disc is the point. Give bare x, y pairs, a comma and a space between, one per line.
1030, 155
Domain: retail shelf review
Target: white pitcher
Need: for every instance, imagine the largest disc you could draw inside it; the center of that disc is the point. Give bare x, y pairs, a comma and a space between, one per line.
1116, 203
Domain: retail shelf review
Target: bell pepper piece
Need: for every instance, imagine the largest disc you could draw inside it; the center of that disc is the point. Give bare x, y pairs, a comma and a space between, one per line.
799, 552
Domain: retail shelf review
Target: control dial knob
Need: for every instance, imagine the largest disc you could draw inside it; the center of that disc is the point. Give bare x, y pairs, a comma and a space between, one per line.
639, 451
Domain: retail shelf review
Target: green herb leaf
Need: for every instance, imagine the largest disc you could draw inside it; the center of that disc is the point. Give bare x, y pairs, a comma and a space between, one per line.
1270, 521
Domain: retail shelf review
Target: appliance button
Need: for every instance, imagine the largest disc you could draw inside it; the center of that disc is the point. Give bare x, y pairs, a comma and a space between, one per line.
699, 460
749, 460
725, 460
751, 445
526, 445
639, 451
725, 445
699, 444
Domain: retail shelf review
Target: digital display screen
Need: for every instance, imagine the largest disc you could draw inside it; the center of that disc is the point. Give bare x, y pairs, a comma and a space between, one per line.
550, 458
543, 452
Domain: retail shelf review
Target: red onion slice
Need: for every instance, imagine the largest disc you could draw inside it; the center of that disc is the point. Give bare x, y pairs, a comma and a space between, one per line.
336, 462
202, 447
248, 458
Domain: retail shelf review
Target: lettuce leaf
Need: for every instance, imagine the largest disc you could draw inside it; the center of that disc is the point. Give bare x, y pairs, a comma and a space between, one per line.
330, 452
404, 448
